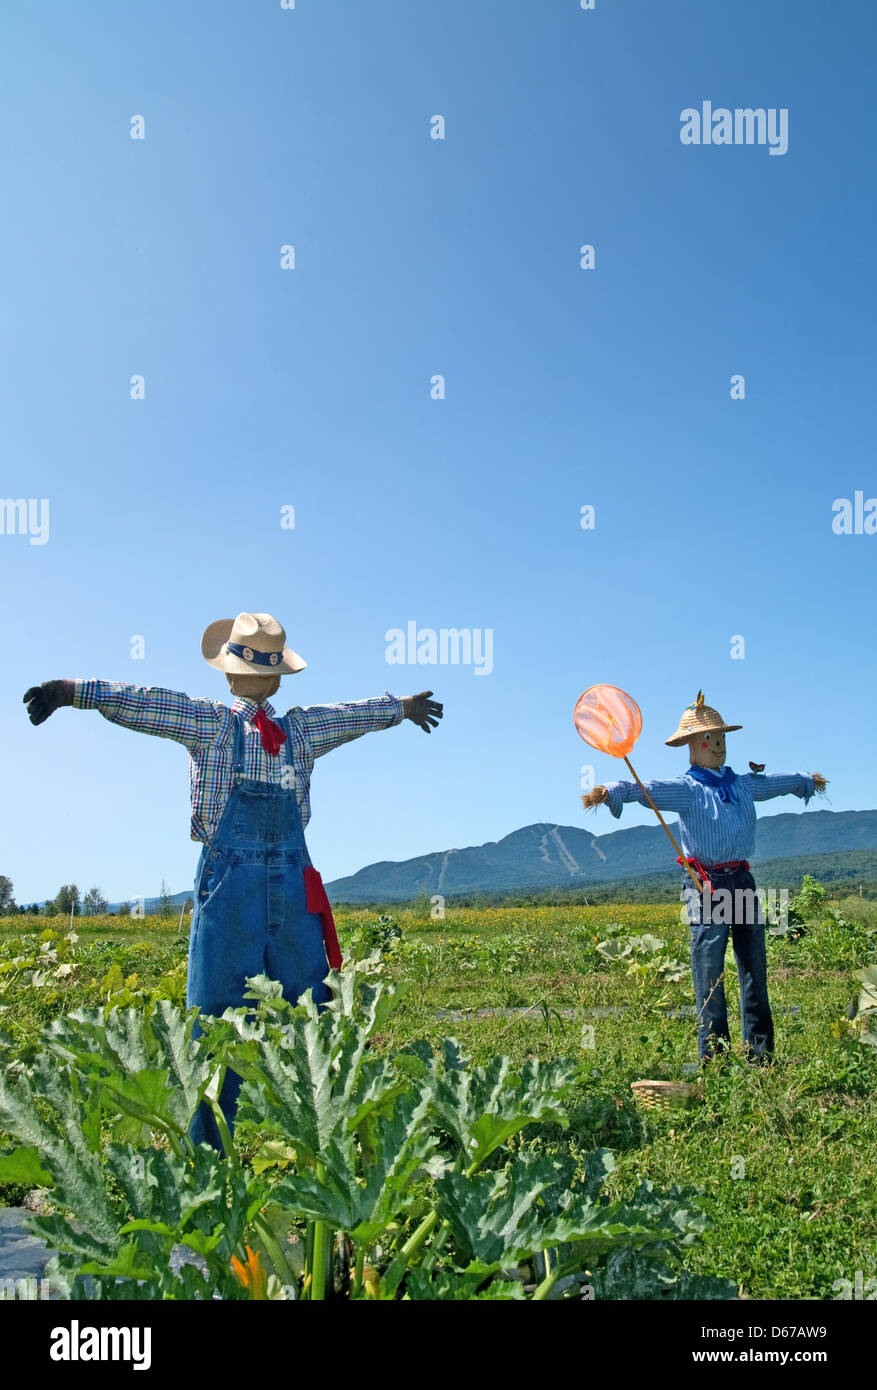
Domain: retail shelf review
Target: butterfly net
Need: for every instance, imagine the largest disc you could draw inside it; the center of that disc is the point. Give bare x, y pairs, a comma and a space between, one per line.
607, 718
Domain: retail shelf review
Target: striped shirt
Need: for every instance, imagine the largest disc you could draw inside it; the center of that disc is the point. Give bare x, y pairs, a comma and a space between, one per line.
712, 830
204, 727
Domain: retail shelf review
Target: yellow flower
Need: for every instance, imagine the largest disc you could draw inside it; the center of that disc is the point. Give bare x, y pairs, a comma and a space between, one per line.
251, 1275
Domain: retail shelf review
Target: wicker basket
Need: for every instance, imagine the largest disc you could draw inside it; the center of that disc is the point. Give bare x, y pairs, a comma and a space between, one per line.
666, 1095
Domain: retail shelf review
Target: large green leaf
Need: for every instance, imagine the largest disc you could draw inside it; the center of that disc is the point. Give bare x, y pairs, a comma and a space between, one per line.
123, 1266
149, 1096
868, 995
202, 1202
311, 1079
189, 1065
448, 1286
614, 950
359, 991
492, 1216
46, 1112
121, 1211
281, 1223
363, 1198
146, 1066
119, 1042
288, 1085
482, 1107
647, 944
272, 1153
24, 1165
599, 1163
569, 1186
654, 1274
500, 1219
160, 1187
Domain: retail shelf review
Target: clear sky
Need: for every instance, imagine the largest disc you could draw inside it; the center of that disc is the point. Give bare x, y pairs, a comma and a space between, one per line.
310, 387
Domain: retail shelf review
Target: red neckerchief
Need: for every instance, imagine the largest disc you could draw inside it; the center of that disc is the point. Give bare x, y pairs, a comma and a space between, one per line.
271, 734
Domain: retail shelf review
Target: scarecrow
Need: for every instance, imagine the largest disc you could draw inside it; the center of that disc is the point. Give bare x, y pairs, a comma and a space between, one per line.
716, 810
260, 905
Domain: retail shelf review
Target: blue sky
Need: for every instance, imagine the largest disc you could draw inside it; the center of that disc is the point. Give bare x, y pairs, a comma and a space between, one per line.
311, 387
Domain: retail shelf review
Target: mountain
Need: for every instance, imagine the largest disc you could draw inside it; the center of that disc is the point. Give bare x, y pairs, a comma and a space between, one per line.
837, 847
540, 857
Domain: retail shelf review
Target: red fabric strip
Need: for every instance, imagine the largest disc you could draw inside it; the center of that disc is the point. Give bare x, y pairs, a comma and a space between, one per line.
317, 901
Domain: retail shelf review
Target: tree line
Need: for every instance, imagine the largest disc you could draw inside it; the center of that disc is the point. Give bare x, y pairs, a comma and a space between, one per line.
69, 901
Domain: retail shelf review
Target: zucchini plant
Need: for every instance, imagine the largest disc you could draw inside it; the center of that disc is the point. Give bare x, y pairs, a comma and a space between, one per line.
376, 1177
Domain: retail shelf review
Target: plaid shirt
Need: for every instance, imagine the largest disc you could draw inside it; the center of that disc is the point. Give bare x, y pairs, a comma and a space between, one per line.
205, 728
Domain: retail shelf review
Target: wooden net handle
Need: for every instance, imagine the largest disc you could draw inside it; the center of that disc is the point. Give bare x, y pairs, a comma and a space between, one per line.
694, 878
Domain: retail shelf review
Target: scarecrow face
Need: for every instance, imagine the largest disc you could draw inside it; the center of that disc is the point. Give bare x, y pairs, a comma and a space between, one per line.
253, 687
707, 750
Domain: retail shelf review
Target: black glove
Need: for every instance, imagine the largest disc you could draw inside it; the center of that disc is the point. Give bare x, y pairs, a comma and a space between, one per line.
43, 700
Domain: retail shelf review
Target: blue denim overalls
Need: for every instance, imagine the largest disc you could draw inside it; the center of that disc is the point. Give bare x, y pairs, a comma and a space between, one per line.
711, 918
250, 915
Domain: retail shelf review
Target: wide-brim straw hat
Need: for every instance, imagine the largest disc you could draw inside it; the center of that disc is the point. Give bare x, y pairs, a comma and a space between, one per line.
258, 645
699, 719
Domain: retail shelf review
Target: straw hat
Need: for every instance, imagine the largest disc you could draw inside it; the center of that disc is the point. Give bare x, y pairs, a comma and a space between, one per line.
252, 644
699, 719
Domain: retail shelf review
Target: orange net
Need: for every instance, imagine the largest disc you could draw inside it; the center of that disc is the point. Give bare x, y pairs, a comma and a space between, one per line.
607, 718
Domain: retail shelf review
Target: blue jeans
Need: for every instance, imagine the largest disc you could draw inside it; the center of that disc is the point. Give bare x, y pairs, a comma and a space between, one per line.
733, 906
250, 915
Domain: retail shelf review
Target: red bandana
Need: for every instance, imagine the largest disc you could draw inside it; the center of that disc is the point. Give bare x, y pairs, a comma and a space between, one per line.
271, 734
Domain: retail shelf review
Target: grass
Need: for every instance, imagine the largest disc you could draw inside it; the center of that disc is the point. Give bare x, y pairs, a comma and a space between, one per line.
782, 1157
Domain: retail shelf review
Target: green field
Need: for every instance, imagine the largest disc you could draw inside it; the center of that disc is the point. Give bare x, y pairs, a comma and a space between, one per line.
781, 1158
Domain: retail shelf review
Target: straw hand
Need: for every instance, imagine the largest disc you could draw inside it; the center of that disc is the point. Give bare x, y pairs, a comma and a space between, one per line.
598, 797
819, 782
